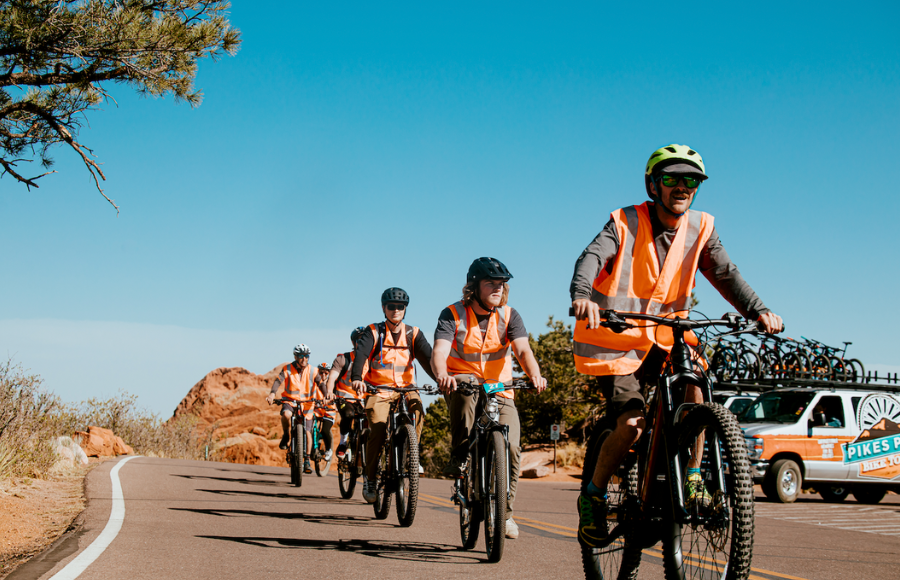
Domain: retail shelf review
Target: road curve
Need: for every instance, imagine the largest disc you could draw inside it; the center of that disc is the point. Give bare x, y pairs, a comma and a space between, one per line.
219, 521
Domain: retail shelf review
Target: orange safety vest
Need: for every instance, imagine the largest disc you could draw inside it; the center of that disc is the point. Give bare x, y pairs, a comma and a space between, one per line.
297, 385
635, 283
487, 357
392, 364
344, 386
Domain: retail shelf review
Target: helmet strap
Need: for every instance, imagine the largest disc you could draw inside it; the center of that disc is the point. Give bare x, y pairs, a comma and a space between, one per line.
659, 200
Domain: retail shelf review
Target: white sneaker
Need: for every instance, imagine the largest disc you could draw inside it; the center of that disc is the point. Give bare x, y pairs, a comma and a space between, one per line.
512, 530
348, 456
368, 491
421, 470
328, 455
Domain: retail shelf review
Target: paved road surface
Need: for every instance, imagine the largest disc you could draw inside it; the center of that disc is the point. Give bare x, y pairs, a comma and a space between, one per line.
199, 520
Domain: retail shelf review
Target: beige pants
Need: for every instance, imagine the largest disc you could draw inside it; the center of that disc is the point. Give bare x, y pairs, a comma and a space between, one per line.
462, 418
377, 409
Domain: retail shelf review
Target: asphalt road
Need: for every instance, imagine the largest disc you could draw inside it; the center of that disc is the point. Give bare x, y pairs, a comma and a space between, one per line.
203, 520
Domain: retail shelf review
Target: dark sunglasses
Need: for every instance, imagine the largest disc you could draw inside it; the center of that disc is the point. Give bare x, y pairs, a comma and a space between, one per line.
672, 181
396, 307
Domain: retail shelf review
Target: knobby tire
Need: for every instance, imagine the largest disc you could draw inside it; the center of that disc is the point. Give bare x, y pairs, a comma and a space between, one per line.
716, 543
382, 503
406, 448
495, 472
622, 557
297, 439
470, 511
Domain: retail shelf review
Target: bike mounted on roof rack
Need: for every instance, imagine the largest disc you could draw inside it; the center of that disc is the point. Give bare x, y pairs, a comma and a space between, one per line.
889, 383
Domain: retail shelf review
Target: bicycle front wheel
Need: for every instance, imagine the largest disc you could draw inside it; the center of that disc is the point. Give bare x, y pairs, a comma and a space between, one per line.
620, 558
406, 449
715, 541
470, 511
496, 496
296, 454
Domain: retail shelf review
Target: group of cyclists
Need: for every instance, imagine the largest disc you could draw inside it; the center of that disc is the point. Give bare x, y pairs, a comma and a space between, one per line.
644, 260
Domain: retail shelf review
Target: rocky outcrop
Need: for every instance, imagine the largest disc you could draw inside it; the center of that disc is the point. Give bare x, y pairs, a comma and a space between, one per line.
100, 442
232, 401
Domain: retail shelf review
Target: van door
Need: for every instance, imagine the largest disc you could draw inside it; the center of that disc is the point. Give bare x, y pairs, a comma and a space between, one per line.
826, 461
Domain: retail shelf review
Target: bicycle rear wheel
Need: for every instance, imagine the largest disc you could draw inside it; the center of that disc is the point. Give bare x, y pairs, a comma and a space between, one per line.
496, 496
470, 510
621, 558
382, 503
724, 364
821, 367
406, 448
347, 470
715, 542
296, 453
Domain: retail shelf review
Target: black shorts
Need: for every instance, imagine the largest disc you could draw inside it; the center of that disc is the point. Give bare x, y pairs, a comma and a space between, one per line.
626, 392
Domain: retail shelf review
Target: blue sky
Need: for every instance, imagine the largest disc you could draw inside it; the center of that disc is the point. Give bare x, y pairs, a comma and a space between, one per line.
350, 148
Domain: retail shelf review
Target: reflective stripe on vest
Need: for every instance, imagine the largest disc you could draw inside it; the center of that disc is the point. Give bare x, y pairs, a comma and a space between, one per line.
636, 283
393, 366
487, 357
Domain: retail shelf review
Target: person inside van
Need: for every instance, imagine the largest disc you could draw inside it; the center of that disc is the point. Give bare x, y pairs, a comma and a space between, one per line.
827, 418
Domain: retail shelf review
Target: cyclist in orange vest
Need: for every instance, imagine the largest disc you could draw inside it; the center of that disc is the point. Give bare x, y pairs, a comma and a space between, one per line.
645, 260
477, 336
329, 412
339, 384
389, 347
297, 383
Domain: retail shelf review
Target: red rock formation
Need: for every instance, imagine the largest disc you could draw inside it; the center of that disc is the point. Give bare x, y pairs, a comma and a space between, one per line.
245, 428
100, 442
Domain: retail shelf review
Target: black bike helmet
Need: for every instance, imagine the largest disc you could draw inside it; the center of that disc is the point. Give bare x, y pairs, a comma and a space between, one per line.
356, 333
487, 268
395, 295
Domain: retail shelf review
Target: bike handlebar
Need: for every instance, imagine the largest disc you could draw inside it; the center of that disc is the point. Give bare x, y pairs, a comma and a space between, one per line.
616, 321
427, 389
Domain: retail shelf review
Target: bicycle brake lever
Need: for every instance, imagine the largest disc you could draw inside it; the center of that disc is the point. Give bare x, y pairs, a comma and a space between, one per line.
614, 322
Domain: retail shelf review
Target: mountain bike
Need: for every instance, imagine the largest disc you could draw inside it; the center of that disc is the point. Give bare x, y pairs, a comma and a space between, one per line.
646, 493
317, 456
482, 490
296, 449
350, 466
398, 463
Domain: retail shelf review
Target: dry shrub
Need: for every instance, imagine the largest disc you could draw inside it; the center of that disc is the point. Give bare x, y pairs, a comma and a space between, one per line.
30, 417
570, 454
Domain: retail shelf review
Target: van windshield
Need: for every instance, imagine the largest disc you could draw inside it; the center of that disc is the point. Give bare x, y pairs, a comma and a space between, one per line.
774, 407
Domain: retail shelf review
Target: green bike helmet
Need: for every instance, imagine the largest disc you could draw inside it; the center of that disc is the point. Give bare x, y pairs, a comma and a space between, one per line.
673, 158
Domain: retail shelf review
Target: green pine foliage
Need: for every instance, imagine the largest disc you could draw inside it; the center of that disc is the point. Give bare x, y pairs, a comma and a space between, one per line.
569, 397
57, 58
434, 448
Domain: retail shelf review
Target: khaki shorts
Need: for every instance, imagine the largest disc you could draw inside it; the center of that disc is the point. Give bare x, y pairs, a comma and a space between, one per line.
626, 392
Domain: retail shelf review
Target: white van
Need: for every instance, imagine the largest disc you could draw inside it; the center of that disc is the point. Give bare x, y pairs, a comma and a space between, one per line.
837, 441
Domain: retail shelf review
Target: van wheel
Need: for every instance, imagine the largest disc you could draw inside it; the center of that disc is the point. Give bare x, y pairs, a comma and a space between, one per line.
786, 481
870, 494
833, 493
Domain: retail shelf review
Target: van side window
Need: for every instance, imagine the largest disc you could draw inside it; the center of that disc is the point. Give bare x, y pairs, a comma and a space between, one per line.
854, 401
833, 409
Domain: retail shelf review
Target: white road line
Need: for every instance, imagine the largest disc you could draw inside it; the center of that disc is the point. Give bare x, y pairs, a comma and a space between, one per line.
74, 568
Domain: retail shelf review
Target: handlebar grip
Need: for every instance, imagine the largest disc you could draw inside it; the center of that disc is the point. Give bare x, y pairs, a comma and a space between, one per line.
571, 311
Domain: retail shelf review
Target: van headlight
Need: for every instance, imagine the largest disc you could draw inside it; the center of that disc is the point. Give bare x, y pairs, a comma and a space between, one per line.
755, 447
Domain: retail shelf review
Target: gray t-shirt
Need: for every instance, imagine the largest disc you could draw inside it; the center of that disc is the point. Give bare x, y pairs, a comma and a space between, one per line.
446, 326
714, 263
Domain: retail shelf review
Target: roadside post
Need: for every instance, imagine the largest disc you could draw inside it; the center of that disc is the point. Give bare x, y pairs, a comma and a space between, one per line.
554, 436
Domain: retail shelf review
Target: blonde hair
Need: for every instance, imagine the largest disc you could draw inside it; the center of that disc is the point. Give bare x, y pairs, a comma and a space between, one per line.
470, 291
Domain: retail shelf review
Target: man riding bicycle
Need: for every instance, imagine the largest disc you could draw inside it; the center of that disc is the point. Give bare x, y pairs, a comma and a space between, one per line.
645, 260
474, 337
338, 384
297, 383
326, 410
389, 348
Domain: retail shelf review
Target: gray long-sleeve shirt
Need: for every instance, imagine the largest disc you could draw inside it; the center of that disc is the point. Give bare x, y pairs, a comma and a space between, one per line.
714, 264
